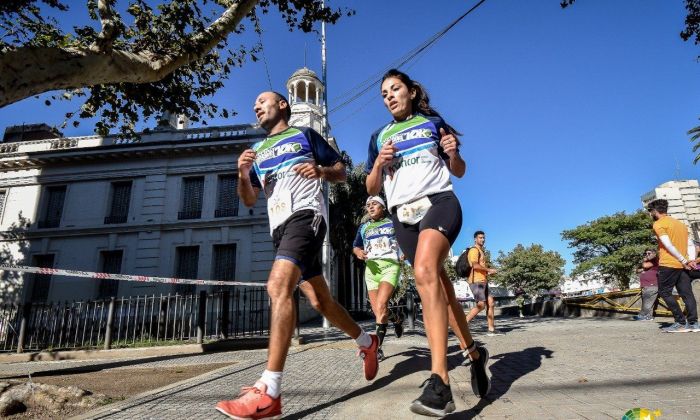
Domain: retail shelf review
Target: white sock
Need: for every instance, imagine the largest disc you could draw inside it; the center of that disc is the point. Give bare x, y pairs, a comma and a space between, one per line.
273, 380
364, 340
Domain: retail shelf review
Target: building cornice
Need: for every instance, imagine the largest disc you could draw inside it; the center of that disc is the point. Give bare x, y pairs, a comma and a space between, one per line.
71, 150
64, 232
225, 167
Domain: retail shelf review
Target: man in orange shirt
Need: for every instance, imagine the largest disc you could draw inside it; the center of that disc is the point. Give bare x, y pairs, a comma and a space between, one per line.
478, 282
673, 267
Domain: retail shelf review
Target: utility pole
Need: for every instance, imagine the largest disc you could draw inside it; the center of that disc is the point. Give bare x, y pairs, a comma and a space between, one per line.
326, 250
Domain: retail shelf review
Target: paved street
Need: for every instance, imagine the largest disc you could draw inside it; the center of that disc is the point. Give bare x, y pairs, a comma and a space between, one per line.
542, 368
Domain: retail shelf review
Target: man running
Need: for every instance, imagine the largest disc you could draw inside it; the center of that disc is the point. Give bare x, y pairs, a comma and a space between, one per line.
673, 267
376, 245
289, 165
479, 284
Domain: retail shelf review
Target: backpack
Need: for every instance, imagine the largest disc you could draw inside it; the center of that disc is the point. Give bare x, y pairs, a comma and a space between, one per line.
462, 266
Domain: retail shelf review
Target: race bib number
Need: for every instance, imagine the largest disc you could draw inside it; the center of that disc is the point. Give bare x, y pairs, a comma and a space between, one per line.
412, 213
379, 247
279, 207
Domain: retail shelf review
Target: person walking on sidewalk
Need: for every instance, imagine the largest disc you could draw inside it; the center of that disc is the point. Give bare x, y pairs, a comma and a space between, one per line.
412, 157
648, 283
289, 166
479, 283
673, 267
376, 245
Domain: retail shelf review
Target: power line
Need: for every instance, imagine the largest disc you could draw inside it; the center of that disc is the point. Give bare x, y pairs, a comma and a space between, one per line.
262, 50
372, 81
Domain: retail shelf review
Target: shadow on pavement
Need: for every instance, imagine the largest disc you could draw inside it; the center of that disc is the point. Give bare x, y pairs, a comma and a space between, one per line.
508, 368
417, 359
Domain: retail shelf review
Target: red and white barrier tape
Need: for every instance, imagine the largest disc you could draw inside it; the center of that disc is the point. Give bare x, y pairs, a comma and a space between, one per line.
125, 277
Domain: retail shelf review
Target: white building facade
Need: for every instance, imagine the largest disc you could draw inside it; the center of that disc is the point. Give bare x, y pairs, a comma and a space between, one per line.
683, 202
165, 205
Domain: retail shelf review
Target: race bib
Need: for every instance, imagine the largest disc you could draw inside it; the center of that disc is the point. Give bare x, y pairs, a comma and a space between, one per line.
413, 212
379, 247
279, 207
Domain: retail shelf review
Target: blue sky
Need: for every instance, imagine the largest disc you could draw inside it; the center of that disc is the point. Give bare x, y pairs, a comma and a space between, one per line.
567, 115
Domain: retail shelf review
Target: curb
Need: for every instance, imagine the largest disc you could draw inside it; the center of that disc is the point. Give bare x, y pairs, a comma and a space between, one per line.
223, 345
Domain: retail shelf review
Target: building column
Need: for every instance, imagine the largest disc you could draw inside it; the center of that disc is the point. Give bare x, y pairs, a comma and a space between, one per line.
307, 91
318, 99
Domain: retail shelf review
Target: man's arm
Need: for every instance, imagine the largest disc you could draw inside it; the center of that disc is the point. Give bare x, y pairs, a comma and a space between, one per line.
666, 242
482, 268
246, 190
335, 173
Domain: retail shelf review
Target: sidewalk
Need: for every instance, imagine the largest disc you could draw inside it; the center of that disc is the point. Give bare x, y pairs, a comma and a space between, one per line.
543, 368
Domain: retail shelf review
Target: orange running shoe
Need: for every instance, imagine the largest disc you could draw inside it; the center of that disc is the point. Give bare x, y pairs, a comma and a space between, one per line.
369, 358
252, 403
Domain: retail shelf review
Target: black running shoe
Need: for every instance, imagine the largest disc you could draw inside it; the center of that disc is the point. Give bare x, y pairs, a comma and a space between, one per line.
380, 354
481, 384
436, 399
398, 328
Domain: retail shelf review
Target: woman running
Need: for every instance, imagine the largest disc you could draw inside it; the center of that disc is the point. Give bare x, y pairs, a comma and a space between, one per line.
413, 157
375, 244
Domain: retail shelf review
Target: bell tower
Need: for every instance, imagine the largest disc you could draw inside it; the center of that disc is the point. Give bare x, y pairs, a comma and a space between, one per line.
305, 95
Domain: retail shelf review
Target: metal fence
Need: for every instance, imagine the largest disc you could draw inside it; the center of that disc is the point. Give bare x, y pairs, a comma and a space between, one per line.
135, 320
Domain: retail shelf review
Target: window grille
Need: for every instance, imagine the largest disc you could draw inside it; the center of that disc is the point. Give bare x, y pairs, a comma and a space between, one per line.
187, 267
54, 207
3, 196
111, 263
121, 198
41, 283
225, 262
192, 197
227, 197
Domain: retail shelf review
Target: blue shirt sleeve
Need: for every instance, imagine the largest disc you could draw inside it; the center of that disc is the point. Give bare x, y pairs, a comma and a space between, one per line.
358, 242
372, 152
324, 154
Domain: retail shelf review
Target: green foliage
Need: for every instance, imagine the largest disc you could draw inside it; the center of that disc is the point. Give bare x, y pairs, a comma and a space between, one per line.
611, 246
449, 267
694, 134
347, 208
161, 30
529, 269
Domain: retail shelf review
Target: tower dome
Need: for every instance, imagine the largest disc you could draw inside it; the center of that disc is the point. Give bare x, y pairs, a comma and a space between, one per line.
305, 95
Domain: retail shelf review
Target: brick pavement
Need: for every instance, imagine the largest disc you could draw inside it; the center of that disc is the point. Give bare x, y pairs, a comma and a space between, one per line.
578, 368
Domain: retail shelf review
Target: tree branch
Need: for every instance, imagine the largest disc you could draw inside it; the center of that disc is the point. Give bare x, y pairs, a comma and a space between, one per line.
205, 41
29, 71
109, 28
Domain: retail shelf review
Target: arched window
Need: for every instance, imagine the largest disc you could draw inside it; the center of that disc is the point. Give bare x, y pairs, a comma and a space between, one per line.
312, 94
300, 91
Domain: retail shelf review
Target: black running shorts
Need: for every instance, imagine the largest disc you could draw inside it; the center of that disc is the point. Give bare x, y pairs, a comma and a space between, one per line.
299, 240
445, 216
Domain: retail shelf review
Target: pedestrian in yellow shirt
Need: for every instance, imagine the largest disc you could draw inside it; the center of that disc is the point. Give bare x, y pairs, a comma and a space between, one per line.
479, 284
673, 267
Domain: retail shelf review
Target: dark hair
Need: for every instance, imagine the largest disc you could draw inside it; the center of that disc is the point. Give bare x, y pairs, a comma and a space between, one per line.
421, 102
282, 98
659, 205
479, 232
